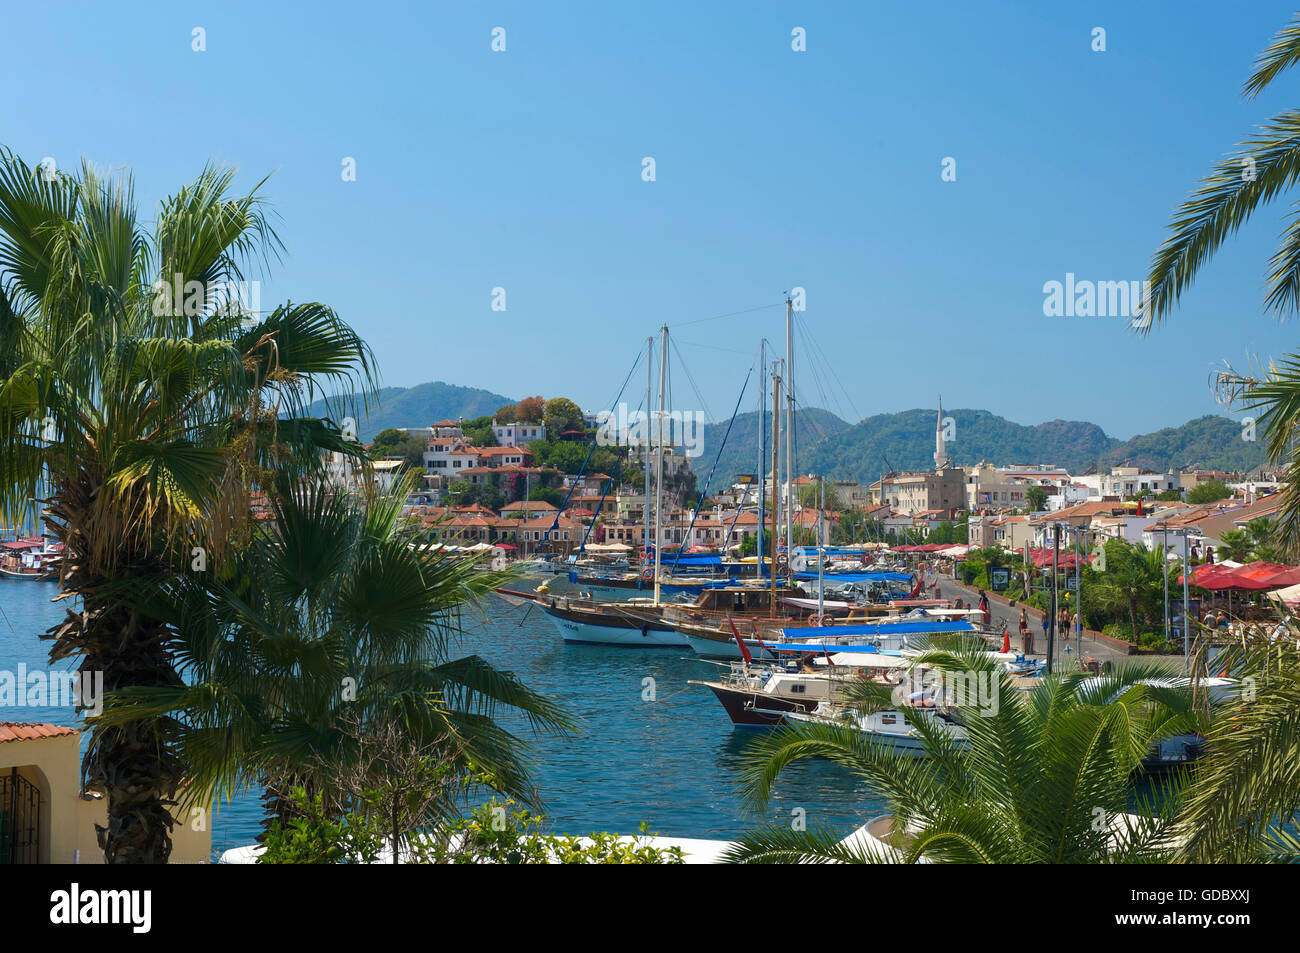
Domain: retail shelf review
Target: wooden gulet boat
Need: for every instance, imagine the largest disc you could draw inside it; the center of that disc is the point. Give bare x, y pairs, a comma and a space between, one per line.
594, 623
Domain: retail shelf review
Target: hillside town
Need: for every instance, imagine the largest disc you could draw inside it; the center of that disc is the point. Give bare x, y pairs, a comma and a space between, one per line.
1012, 505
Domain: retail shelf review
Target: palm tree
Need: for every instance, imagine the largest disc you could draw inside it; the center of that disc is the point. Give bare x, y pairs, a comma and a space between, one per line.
334, 628
1236, 544
143, 422
1134, 576
1045, 777
1257, 172
1246, 789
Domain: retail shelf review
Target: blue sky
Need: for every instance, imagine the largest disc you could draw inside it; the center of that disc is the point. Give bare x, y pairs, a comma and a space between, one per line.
774, 168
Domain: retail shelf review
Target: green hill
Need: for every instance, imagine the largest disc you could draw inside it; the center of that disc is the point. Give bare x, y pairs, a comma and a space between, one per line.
424, 404
905, 441
813, 426
1209, 442
899, 441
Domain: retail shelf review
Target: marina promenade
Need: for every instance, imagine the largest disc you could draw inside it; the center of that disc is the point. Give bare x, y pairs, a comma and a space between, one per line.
1001, 611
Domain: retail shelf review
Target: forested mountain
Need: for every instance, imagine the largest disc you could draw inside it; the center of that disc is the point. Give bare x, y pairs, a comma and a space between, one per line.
423, 405
899, 441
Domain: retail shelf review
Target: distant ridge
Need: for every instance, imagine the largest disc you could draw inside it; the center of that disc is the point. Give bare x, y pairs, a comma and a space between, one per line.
905, 441
422, 405
901, 441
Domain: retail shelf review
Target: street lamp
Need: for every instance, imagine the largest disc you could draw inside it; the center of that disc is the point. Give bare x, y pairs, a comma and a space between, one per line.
1187, 638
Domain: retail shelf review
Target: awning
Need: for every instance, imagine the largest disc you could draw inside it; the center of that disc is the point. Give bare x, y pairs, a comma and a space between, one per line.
1252, 577
1289, 596
1042, 558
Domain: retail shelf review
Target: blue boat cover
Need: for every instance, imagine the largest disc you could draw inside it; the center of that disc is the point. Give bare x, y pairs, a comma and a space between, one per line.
821, 647
905, 627
901, 577
697, 559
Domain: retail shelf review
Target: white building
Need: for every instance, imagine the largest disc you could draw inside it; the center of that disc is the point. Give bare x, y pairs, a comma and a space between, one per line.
517, 434
1124, 482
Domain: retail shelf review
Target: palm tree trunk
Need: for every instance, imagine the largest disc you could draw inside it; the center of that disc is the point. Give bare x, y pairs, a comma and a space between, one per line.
135, 765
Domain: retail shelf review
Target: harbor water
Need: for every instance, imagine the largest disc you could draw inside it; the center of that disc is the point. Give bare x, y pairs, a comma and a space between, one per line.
651, 748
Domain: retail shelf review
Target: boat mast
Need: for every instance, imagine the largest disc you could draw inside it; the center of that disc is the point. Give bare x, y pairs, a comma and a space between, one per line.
821, 552
776, 497
659, 462
762, 449
645, 446
789, 426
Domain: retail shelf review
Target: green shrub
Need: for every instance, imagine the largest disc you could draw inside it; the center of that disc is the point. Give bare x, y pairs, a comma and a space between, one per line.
494, 833
1117, 631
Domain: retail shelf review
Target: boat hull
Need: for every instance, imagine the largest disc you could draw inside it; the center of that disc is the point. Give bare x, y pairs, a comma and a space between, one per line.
42, 576
751, 709
626, 633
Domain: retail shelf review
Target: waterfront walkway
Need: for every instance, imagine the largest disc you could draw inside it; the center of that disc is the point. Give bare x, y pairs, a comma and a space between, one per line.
1000, 611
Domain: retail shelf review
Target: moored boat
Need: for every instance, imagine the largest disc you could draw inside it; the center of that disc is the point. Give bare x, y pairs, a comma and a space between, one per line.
761, 697
29, 560
593, 623
892, 728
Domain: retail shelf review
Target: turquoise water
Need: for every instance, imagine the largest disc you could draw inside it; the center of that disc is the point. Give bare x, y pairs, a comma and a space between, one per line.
671, 762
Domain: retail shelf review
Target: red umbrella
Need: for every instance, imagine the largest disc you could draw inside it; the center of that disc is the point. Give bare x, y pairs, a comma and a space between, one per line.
1271, 574
1287, 576
1212, 577
1229, 579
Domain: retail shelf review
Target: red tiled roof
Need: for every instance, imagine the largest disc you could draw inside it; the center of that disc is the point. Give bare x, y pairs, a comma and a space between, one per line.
31, 730
1095, 508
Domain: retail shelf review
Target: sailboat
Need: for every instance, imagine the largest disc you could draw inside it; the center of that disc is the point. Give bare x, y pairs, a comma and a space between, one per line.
587, 621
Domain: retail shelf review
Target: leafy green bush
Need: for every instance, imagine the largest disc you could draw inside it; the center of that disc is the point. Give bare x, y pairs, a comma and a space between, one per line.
1117, 631
1157, 642
494, 833
315, 838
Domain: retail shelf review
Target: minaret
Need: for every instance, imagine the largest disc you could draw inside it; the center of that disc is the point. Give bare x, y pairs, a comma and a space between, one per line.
940, 450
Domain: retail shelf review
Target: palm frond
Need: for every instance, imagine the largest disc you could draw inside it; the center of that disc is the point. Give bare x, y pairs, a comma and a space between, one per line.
1281, 55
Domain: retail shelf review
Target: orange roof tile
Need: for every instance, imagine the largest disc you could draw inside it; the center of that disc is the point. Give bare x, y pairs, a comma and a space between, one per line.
30, 730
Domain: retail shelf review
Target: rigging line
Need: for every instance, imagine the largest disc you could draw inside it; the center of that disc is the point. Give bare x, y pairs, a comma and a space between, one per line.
700, 502
806, 341
810, 339
612, 481
635, 364
690, 379
729, 314
818, 368
711, 347
835, 377
555, 523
